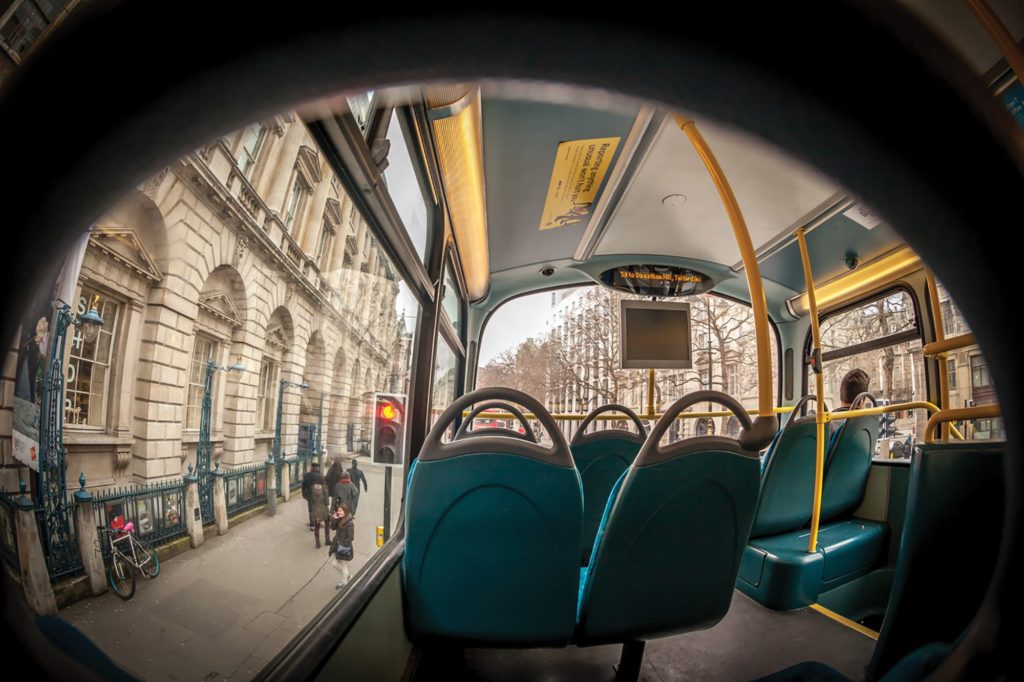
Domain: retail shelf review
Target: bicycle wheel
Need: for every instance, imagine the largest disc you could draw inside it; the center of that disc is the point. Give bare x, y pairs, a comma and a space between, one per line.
149, 562
122, 580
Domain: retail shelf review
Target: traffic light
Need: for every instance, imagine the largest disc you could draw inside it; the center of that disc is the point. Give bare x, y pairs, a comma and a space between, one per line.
387, 439
887, 425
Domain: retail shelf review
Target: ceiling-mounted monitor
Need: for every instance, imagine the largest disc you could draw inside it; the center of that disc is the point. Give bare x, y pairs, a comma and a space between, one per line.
655, 335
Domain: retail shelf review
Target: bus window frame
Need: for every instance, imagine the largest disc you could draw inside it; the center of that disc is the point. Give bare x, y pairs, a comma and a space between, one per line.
348, 154
891, 340
473, 368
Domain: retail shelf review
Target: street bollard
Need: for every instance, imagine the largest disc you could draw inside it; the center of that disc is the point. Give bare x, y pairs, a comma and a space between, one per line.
193, 512
88, 539
286, 477
271, 487
220, 501
35, 579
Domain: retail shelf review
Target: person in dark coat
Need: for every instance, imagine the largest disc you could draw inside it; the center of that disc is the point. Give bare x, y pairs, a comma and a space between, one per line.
357, 476
334, 475
319, 510
342, 549
346, 492
312, 476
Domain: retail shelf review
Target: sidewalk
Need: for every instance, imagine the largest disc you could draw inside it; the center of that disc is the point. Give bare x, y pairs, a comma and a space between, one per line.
225, 610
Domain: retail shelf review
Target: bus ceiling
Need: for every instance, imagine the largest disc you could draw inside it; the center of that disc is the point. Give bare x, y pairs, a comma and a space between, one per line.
546, 187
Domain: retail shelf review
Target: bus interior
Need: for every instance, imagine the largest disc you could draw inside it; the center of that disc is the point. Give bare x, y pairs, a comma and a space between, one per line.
566, 507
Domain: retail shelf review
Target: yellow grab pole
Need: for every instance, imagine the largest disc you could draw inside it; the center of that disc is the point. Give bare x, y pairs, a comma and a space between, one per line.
965, 413
940, 336
750, 265
650, 394
819, 418
1009, 47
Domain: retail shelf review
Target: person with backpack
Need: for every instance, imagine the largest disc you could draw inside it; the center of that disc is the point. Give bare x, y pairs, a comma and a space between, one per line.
312, 477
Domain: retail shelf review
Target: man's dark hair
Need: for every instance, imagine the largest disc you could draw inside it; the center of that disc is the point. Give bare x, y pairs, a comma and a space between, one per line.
854, 383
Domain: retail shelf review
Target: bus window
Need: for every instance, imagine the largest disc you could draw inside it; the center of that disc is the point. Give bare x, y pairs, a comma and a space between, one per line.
446, 379
451, 299
882, 338
249, 315
970, 382
404, 186
563, 348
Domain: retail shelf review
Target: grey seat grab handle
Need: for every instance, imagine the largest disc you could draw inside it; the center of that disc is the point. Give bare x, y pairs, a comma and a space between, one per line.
652, 448
490, 404
581, 436
434, 449
794, 415
862, 396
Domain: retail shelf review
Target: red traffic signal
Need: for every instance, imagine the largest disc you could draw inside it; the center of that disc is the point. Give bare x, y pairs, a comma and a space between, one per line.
388, 435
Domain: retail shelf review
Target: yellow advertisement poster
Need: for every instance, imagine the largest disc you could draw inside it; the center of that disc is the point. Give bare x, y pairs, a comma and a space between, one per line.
580, 167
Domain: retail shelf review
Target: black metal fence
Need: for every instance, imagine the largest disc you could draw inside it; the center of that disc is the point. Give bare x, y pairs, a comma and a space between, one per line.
157, 511
8, 532
297, 467
245, 487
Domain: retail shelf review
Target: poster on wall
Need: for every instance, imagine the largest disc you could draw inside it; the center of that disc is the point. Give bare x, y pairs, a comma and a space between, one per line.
33, 353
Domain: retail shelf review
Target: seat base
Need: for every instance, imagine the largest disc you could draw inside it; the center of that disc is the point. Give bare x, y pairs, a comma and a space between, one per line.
778, 572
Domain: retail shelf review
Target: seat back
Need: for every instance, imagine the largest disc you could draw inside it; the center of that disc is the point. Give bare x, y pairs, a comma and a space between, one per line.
601, 458
787, 483
948, 552
669, 546
493, 531
848, 464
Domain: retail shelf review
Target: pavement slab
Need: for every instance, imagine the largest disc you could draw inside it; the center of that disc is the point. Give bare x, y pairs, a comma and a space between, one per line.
226, 609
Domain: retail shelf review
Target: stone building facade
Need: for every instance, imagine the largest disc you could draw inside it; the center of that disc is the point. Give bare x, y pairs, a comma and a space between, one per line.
248, 249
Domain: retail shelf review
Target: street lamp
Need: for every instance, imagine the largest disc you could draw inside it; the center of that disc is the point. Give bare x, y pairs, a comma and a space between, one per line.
62, 552
276, 453
205, 447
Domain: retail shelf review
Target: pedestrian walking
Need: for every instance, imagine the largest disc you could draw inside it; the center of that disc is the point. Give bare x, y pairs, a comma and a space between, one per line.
319, 510
342, 550
312, 476
357, 476
333, 476
346, 492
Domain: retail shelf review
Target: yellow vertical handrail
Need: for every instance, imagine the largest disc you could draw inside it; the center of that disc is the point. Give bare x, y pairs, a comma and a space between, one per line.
1002, 38
819, 414
940, 336
750, 265
650, 391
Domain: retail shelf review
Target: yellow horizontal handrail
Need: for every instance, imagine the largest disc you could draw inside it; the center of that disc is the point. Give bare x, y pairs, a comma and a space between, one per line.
965, 413
616, 417
886, 409
946, 345
882, 409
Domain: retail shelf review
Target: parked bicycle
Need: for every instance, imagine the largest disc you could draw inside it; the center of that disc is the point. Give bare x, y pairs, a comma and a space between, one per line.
128, 552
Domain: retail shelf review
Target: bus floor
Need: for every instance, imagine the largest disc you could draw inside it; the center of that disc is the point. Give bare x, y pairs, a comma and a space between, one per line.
750, 642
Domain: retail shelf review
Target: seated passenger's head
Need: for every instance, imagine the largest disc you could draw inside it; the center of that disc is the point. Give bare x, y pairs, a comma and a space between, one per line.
854, 383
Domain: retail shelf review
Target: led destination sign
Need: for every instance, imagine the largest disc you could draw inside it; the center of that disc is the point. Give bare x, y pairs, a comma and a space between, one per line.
657, 280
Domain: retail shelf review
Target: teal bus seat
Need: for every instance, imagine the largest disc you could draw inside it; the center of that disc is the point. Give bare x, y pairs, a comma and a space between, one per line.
848, 463
601, 458
949, 548
778, 572
668, 550
493, 533
787, 482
